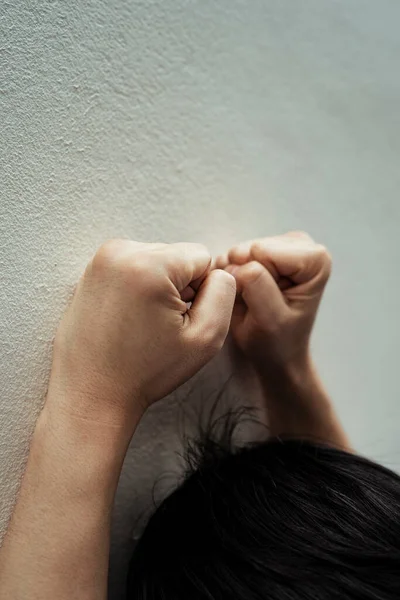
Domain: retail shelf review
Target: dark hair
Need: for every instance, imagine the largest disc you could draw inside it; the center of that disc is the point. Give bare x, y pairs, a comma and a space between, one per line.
279, 520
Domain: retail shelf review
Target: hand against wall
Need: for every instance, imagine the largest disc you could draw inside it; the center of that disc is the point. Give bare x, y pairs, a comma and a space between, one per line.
280, 282
127, 339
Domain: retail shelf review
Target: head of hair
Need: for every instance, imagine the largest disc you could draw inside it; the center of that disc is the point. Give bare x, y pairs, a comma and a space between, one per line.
279, 520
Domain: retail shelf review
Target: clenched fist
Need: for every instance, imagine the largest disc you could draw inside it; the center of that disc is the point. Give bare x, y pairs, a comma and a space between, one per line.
280, 281
129, 336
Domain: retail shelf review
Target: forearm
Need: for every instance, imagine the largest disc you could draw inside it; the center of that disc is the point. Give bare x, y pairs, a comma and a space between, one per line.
57, 543
299, 406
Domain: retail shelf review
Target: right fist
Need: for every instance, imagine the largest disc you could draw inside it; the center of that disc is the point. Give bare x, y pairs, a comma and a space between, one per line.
280, 281
128, 337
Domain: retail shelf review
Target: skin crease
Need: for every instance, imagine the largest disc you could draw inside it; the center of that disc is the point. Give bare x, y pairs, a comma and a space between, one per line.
128, 339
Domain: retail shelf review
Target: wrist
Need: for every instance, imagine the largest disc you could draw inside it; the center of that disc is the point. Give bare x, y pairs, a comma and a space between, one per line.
294, 370
89, 454
86, 403
83, 396
293, 391
298, 405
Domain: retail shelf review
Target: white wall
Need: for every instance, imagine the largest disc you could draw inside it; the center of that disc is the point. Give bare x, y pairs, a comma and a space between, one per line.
205, 121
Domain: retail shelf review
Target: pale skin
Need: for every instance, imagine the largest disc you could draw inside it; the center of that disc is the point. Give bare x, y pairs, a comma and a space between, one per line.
128, 339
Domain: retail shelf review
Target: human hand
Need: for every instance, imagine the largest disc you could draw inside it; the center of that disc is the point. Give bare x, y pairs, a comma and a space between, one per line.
280, 282
128, 338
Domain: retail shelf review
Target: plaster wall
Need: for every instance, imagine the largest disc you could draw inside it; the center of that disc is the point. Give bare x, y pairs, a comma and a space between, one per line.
200, 121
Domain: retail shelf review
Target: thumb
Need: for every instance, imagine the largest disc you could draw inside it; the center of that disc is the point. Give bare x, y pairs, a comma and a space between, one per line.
259, 291
211, 310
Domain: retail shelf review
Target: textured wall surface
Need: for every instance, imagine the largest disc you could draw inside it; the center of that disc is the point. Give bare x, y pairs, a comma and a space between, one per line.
202, 121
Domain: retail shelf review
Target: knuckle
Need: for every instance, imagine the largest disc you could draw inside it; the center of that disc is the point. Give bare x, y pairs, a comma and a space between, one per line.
258, 244
115, 258
326, 259
230, 283
300, 234
252, 272
324, 253
107, 254
201, 248
192, 247
140, 272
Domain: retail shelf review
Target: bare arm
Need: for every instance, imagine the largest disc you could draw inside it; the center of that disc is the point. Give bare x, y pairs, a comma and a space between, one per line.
299, 406
280, 282
57, 544
126, 340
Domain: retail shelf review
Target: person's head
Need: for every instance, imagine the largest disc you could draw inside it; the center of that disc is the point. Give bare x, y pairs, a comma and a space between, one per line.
281, 520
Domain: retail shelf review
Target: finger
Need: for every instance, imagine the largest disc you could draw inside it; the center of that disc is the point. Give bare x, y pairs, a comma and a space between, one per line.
282, 282
220, 262
188, 294
297, 259
299, 235
211, 310
185, 263
240, 253
259, 290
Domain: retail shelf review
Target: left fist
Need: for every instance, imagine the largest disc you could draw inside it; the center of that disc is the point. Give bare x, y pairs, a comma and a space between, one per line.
128, 338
